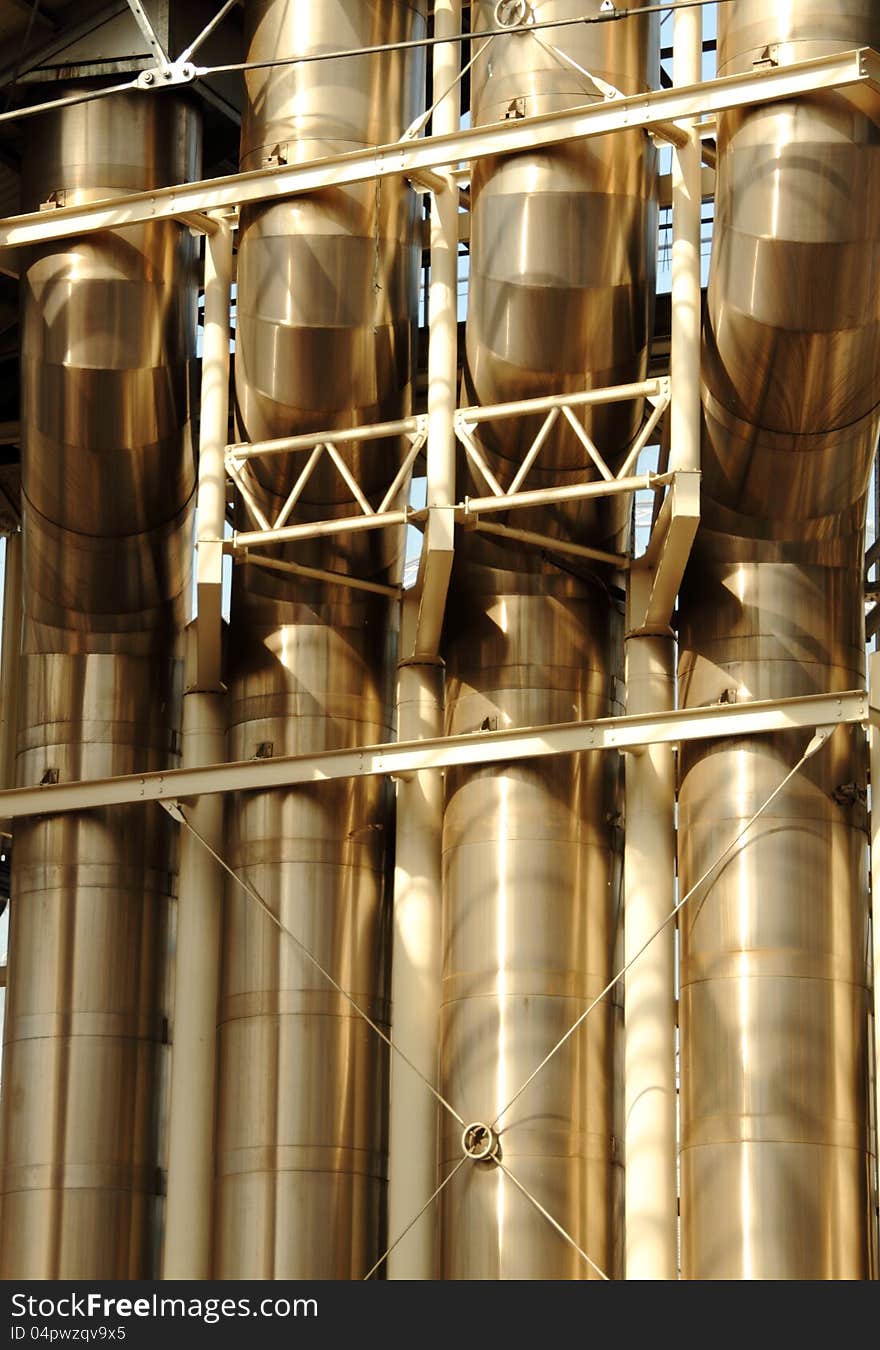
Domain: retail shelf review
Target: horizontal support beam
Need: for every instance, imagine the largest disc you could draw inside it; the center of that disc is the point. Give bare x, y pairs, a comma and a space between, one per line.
509, 501
375, 431
857, 71
320, 529
586, 398
491, 747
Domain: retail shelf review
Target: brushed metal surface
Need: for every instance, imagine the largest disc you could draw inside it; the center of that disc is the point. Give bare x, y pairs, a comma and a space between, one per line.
562, 247
562, 255
327, 295
775, 1155
108, 350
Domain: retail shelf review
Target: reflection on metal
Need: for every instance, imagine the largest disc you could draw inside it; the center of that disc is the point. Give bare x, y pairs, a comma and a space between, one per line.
529, 643
327, 294
108, 352
775, 1165
856, 74
262, 773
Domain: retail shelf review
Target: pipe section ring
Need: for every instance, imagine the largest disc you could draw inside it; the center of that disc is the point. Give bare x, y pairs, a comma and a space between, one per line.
480, 1142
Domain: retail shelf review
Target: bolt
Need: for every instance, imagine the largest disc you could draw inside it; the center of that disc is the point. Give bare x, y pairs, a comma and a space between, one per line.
148, 77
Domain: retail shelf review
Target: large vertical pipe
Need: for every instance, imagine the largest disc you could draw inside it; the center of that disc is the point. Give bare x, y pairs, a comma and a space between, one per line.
561, 264
11, 658
327, 297
416, 950
649, 1005
108, 351
774, 1161
189, 1209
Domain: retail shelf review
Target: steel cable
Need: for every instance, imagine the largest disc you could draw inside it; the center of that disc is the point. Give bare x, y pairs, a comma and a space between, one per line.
175, 810
819, 739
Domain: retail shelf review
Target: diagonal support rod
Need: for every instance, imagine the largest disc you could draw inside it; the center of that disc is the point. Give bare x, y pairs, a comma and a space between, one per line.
175, 810
427, 1205
206, 32
550, 1219
819, 739
142, 19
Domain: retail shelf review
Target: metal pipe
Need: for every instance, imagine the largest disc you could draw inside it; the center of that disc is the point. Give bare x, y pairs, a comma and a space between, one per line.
874, 744
107, 491
380, 431
531, 856
416, 947
443, 292
327, 296
577, 398
189, 1212
579, 492
649, 1002
774, 1165
684, 351
857, 71
213, 431
189, 1207
415, 967
320, 529
11, 661
553, 545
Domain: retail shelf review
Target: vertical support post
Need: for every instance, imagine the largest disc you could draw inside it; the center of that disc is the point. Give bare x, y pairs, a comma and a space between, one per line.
417, 956
874, 738
443, 294
189, 1208
188, 1224
213, 435
684, 361
9, 672
415, 971
649, 999
436, 564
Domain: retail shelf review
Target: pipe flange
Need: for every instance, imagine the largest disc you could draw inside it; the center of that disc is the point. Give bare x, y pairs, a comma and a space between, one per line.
480, 1142
513, 13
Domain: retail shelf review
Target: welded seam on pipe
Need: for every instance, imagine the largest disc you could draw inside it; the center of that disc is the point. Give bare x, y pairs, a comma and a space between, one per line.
821, 736
550, 1219
427, 1205
176, 811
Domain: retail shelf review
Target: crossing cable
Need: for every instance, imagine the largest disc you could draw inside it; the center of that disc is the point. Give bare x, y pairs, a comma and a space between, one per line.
175, 810
412, 1223
550, 1219
821, 736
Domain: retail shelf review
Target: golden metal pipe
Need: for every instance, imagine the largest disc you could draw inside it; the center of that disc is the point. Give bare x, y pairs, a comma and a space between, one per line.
774, 1162
108, 346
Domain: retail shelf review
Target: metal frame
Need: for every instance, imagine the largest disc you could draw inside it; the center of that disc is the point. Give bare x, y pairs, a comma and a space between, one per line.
434, 164
400, 759
855, 74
